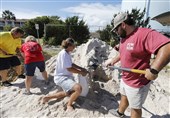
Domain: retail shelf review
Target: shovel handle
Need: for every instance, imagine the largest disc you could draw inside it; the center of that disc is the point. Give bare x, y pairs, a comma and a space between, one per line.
128, 69
138, 71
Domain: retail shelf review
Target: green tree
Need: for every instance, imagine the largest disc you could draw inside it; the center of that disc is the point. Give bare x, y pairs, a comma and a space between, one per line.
7, 28
77, 29
138, 17
55, 20
55, 33
30, 29
105, 34
53, 30
72, 27
8, 15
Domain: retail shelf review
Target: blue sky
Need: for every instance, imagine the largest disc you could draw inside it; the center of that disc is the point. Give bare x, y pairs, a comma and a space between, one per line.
93, 12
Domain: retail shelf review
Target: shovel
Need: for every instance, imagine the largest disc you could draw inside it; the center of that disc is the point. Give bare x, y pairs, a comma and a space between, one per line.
128, 69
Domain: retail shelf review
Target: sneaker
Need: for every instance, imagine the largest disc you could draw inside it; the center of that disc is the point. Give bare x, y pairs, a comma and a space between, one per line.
116, 113
21, 76
6, 83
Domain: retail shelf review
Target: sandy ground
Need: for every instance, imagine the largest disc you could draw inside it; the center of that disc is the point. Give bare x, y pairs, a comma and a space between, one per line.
99, 100
14, 103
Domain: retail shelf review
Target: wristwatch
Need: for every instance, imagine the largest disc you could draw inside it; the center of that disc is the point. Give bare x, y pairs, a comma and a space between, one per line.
154, 71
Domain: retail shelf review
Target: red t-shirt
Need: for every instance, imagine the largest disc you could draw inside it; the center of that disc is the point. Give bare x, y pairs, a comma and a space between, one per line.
135, 53
32, 52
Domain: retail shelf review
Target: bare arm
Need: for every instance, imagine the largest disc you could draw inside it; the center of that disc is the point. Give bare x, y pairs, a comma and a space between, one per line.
113, 60
162, 57
74, 70
76, 66
161, 60
3, 51
23, 55
19, 53
77, 69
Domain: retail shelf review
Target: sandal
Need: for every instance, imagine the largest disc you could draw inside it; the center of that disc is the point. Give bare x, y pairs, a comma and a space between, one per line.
27, 92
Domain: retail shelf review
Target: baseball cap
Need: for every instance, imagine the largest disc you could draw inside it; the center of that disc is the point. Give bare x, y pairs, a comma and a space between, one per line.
119, 19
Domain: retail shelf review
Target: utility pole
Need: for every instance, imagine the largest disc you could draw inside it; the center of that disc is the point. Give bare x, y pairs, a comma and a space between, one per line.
69, 31
37, 28
147, 5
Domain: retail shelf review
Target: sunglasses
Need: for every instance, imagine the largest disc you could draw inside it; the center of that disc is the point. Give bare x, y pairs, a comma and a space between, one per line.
116, 29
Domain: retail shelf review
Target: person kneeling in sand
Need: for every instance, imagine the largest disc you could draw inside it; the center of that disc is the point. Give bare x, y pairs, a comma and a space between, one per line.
33, 57
63, 76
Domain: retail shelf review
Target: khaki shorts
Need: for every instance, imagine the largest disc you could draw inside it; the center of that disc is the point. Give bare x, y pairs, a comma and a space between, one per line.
136, 96
65, 82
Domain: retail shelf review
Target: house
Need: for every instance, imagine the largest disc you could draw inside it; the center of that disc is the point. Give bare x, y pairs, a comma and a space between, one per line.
12, 23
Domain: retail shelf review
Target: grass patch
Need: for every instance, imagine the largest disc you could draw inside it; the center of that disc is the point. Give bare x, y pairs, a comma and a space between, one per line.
48, 53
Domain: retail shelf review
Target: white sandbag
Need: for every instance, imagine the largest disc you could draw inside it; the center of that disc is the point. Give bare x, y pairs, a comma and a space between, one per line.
38, 74
83, 82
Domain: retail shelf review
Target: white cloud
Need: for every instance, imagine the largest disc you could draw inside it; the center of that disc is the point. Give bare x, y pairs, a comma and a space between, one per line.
25, 14
96, 15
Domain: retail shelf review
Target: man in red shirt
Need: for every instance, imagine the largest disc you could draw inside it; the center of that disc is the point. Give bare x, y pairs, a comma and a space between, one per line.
33, 57
136, 46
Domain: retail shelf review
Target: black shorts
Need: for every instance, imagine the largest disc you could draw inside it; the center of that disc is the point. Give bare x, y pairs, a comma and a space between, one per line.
30, 68
6, 63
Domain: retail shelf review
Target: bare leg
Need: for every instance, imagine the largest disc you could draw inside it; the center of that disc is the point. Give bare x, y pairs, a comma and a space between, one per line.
18, 70
77, 90
123, 104
3, 74
28, 82
44, 74
57, 95
136, 113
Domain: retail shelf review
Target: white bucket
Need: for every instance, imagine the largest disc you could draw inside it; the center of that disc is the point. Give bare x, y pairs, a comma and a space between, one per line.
82, 80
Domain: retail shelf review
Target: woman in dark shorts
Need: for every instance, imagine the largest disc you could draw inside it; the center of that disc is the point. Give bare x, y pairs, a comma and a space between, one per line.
33, 57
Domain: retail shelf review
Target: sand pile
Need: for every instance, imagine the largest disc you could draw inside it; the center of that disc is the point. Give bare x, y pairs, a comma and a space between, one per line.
103, 96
